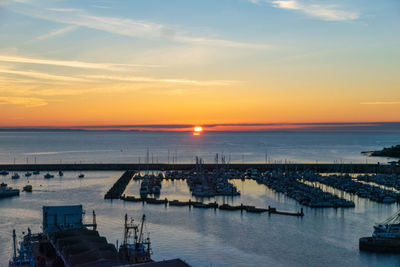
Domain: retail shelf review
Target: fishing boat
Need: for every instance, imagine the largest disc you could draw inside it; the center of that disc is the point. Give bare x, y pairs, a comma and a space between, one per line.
6, 191
385, 238
135, 247
27, 188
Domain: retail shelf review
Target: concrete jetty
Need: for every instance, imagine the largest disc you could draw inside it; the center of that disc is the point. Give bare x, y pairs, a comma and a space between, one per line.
120, 185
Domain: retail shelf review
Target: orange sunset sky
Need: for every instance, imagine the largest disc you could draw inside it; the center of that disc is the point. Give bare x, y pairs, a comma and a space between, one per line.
69, 63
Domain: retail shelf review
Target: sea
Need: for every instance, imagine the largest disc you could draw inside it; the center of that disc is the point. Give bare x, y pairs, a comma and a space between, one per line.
201, 237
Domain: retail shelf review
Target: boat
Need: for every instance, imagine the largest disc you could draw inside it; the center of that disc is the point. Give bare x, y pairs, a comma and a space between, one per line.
81, 175
27, 188
15, 176
3, 172
28, 174
48, 176
6, 191
66, 241
60, 173
36, 172
135, 247
385, 238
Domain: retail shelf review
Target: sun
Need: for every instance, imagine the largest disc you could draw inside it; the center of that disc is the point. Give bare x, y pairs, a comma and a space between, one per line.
198, 129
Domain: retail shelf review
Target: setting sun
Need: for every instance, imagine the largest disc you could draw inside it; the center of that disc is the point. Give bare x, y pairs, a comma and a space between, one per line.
198, 129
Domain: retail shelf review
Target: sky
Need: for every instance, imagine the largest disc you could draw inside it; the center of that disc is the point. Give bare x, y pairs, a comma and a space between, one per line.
199, 62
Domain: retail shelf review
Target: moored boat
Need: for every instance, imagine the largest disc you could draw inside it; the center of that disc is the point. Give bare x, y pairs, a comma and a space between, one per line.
28, 188
385, 238
6, 191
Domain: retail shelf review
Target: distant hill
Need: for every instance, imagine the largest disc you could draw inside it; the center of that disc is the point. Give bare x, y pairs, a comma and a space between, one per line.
392, 152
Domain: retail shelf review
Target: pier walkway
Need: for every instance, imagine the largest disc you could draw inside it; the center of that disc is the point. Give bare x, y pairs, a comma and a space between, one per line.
120, 185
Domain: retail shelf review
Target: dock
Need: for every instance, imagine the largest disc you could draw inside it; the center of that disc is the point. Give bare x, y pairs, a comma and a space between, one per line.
120, 185
213, 205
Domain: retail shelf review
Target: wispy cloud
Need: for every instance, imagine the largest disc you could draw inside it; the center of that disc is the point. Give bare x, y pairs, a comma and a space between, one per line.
68, 63
381, 103
328, 12
166, 80
130, 27
25, 101
57, 32
41, 75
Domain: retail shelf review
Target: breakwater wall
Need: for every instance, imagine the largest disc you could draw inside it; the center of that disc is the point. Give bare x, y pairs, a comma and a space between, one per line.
319, 167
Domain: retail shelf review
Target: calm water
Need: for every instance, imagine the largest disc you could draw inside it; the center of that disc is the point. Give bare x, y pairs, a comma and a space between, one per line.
201, 237
207, 237
127, 147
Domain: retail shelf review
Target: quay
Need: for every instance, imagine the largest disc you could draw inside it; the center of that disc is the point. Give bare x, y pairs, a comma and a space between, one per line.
119, 187
317, 167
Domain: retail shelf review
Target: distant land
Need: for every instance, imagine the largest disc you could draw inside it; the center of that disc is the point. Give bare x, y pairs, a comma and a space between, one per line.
328, 127
391, 152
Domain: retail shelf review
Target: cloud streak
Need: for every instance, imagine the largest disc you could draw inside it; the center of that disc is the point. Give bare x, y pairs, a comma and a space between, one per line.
381, 103
322, 11
57, 32
25, 101
130, 27
68, 63
166, 80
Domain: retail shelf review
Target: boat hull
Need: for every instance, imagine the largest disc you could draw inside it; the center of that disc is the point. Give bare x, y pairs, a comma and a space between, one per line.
380, 245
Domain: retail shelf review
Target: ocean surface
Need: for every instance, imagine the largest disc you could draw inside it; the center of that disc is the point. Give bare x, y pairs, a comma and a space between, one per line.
182, 147
323, 237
